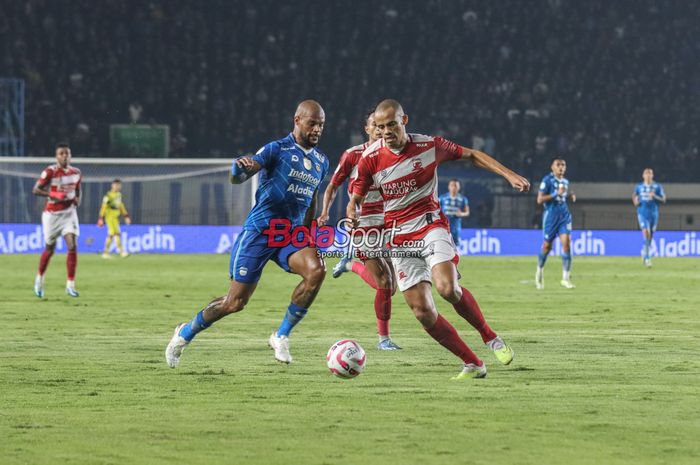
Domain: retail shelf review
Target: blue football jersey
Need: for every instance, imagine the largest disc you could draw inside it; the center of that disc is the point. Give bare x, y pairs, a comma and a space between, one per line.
646, 193
451, 205
288, 180
550, 186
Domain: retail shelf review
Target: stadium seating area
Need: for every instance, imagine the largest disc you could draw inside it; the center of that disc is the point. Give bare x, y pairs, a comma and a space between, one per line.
613, 86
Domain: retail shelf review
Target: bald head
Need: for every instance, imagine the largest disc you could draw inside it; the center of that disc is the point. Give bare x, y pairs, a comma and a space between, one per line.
390, 104
309, 108
309, 119
391, 120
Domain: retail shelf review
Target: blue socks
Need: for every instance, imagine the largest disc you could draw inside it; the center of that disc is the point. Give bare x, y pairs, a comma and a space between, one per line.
647, 247
190, 330
542, 259
293, 316
566, 261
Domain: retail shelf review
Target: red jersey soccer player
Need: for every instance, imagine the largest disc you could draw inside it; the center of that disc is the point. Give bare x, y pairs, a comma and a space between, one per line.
404, 166
375, 270
60, 183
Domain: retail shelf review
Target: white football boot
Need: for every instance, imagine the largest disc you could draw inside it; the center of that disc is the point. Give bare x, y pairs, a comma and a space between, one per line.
280, 344
175, 347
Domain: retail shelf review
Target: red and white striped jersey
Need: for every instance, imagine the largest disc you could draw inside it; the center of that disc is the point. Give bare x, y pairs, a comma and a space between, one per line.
59, 179
407, 182
372, 210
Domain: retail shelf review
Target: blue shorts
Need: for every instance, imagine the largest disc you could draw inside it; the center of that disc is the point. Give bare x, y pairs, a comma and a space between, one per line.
250, 253
648, 221
554, 225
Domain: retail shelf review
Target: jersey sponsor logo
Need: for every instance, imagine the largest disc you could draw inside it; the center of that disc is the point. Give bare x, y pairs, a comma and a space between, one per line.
318, 167
304, 177
295, 158
400, 187
421, 145
402, 274
301, 190
243, 271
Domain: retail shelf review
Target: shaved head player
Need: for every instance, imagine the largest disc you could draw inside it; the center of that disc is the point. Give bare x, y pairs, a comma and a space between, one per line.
404, 166
291, 170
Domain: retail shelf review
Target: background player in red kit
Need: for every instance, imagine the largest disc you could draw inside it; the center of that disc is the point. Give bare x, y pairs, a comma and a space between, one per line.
60, 183
376, 271
404, 166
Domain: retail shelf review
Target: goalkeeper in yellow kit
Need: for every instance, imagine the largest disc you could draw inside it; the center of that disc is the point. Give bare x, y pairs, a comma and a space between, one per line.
112, 208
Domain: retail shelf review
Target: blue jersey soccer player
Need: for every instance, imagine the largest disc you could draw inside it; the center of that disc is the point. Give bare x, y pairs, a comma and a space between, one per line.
647, 197
455, 206
556, 221
291, 171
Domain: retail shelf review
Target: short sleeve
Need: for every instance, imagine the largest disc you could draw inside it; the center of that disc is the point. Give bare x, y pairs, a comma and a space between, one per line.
105, 200
44, 177
267, 154
545, 186
446, 150
660, 191
465, 202
343, 171
364, 177
636, 190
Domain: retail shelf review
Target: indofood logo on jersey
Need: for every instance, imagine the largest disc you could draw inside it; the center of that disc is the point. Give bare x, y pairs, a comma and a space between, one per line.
307, 178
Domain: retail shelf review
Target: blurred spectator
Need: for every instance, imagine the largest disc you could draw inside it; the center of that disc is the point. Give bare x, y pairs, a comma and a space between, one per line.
613, 86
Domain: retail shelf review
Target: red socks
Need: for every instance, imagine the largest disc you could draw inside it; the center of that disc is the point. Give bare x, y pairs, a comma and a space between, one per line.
359, 269
447, 336
44, 261
382, 308
71, 264
470, 311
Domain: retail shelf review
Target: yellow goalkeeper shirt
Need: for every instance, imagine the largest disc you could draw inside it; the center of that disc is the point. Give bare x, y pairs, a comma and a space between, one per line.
112, 206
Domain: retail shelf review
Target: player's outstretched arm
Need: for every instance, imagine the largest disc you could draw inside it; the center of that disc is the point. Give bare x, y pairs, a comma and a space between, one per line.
243, 168
483, 161
328, 198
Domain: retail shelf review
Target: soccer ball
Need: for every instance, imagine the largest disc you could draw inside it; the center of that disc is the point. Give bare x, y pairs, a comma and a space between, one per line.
346, 359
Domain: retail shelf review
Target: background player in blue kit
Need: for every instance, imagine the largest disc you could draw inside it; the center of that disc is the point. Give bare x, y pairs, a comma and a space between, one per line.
291, 171
455, 206
647, 197
556, 221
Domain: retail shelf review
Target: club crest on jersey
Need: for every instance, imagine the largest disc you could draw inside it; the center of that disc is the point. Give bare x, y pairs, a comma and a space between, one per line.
417, 165
307, 163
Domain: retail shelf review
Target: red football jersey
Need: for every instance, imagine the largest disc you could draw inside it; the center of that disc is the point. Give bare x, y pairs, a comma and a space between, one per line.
59, 179
372, 209
407, 182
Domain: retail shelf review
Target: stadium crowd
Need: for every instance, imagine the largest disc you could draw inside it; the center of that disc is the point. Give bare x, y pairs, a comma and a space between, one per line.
611, 86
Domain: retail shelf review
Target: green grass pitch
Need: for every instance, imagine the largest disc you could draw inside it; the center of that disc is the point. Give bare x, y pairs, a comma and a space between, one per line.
605, 374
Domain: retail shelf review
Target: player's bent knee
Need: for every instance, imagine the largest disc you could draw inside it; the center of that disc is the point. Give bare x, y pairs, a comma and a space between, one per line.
448, 291
315, 275
233, 305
